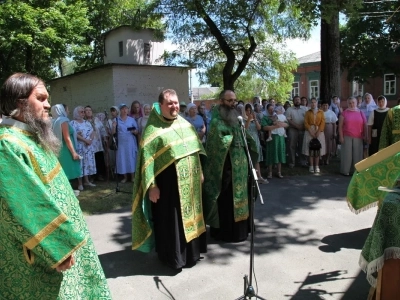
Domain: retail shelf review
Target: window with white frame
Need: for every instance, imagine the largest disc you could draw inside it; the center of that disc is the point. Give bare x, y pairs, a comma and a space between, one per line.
314, 89
295, 89
357, 88
389, 84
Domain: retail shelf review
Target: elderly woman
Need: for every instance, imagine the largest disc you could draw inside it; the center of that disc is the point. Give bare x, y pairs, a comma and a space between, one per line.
253, 126
100, 136
352, 132
375, 123
85, 136
142, 121
196, 120
367, 106
68, 157
314, 124
126, 129
329, 132
275, 149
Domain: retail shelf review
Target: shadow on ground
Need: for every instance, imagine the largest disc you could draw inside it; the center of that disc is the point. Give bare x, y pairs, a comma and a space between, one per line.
348, 240
310, 287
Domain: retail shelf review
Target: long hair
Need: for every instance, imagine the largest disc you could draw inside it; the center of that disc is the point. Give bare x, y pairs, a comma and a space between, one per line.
15, 91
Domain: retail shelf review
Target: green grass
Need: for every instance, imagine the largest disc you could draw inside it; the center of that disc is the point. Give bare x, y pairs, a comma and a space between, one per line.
103, 198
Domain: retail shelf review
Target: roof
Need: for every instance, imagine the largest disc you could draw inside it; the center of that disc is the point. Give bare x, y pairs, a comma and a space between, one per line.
110, 65
125, 27
310, 58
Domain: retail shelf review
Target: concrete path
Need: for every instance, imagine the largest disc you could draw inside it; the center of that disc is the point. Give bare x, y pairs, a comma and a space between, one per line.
307, 246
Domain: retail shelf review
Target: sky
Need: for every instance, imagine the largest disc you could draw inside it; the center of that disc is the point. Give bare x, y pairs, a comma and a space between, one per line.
299, 47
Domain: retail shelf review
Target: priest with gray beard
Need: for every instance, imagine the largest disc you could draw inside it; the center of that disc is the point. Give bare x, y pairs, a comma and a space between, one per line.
42, 228
226, 181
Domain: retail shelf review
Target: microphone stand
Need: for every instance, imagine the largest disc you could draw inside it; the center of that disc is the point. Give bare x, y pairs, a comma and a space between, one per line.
117, 189
249, 291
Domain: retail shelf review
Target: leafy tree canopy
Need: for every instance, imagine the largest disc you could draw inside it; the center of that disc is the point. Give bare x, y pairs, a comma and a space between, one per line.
370, 40
35, 34
226, 38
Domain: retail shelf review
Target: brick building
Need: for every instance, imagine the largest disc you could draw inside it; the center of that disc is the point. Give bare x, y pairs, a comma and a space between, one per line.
307, 82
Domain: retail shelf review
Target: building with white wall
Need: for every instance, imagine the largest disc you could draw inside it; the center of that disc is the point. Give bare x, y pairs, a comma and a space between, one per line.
136, 75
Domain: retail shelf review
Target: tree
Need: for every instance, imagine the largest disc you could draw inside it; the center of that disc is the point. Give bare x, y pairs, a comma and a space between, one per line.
35, 35
370, 40
235, 36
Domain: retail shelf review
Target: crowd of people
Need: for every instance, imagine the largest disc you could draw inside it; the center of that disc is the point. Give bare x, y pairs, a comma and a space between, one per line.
189, 166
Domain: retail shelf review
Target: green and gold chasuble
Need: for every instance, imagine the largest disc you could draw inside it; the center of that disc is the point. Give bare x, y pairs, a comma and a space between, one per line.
391, 128
165, 142
380, 169
41, 224
223, 140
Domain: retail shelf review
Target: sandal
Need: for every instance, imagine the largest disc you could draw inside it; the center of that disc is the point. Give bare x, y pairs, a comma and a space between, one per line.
280, 175
269, 175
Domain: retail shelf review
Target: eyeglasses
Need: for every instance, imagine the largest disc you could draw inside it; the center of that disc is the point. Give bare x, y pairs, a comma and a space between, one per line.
81, 112
230, 100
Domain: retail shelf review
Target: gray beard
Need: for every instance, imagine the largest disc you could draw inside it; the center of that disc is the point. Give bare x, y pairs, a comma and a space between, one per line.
43, 132
229, 115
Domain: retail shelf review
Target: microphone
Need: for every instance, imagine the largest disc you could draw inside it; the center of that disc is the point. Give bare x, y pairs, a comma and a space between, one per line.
105, 113
240, 119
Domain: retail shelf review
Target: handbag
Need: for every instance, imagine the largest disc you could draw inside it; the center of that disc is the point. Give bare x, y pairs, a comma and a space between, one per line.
315, 144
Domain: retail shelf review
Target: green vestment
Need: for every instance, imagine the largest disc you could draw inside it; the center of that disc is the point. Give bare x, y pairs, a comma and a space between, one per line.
165, 142
223, 140
41, 224
391, 128
363, 193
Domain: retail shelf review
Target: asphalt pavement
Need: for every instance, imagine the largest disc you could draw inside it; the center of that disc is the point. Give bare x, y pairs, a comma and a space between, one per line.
307, 246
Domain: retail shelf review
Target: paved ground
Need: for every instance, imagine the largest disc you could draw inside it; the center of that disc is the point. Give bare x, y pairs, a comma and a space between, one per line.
307, 246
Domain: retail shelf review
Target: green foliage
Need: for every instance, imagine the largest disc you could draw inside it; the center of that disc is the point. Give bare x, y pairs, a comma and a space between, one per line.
229, 38
370, 41
34, 35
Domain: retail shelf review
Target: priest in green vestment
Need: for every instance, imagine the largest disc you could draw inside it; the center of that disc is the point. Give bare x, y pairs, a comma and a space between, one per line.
167, 207
45, 247
225, 189
390, 133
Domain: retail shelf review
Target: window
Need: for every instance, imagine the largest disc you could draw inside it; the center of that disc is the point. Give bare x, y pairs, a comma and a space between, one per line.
390, 84
295, 89
314, 89
121, 48
357, 88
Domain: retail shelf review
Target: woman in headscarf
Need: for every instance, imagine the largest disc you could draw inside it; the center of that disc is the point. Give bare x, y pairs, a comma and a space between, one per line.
275, 149
329, 132
253, 126
352, 133
127, 130
335, 105
68, 157
367, 106
314, 124
142, 121
85, 135
196, 120
375, 123
100, 135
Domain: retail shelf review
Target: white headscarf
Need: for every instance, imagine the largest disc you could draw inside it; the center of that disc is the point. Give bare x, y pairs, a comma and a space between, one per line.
59, 117
189, 106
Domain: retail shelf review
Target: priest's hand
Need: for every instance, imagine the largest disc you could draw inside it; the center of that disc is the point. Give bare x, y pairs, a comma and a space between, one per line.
154, 194
66, 264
